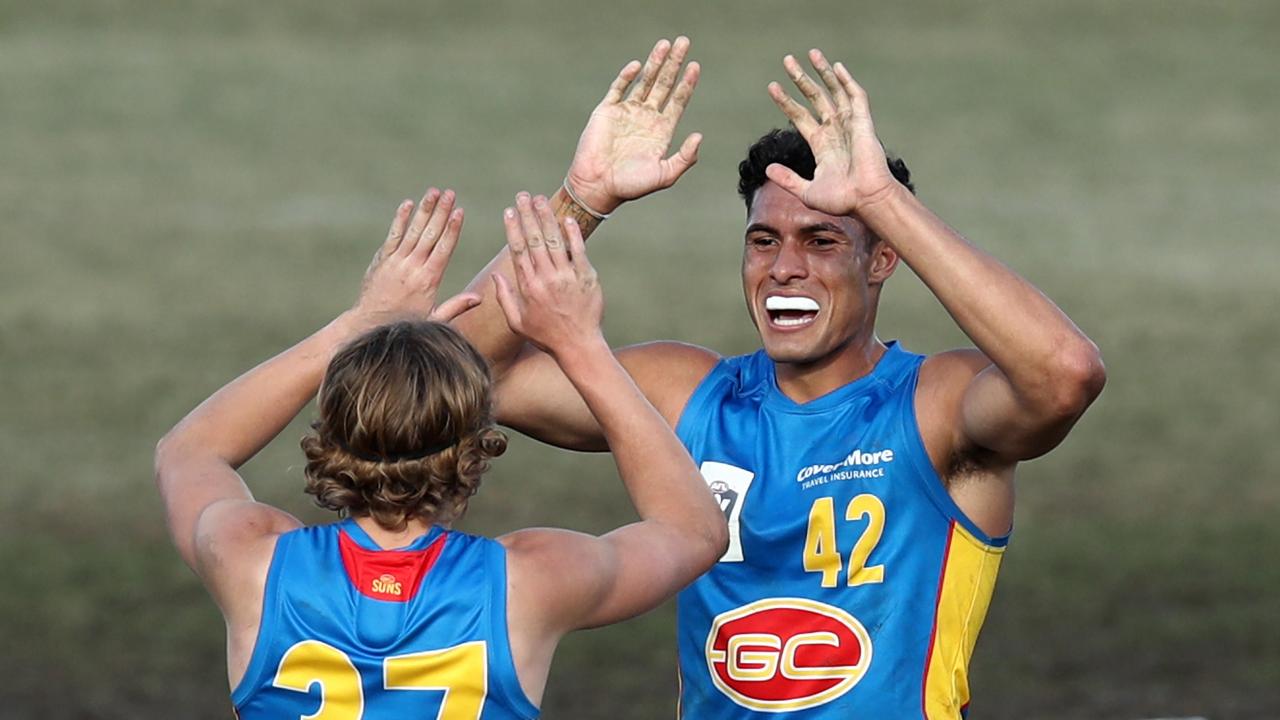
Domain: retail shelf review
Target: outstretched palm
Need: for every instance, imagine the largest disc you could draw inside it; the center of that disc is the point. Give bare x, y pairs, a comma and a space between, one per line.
404, 277
851, 170
621, 154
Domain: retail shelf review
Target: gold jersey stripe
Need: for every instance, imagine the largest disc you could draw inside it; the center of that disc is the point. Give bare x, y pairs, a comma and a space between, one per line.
964, 593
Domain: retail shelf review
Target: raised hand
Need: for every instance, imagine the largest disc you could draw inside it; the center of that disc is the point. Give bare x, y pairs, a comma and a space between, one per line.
621, 154
852, 172
556, 303
402, 281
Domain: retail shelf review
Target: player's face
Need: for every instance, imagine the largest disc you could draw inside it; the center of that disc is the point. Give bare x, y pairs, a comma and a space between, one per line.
811, 280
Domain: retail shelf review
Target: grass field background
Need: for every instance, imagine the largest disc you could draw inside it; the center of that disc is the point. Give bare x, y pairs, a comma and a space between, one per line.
187, 188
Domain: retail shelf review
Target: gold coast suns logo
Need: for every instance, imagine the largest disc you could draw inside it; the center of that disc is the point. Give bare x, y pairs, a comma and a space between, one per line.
785, 654
387, 584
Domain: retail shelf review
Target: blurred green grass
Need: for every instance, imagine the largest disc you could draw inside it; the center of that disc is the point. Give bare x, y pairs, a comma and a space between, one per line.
187, 188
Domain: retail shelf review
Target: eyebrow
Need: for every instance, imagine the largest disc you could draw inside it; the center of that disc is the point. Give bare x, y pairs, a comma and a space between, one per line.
822, 227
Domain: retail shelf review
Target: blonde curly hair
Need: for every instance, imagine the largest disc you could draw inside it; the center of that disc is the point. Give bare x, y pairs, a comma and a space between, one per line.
405, 427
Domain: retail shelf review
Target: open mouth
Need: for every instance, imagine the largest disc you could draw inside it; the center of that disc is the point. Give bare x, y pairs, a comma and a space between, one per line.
791, 311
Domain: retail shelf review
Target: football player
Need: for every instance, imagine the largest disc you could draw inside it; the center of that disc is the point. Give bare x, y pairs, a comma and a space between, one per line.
389, 612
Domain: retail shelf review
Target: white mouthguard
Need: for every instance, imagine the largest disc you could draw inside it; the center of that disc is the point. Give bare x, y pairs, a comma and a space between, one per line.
782, 302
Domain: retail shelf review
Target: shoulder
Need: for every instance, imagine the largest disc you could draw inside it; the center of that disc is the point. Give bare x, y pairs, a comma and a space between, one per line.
676, 358
232, 526
668, 372
235, 543
949, 373
537, 550
549, 562
939, 401
552, 576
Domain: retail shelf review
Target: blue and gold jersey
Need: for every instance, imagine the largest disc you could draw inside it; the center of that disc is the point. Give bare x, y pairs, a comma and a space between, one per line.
353, 632
853, 586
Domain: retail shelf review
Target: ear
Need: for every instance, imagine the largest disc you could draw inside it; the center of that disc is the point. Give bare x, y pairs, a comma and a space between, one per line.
882, 262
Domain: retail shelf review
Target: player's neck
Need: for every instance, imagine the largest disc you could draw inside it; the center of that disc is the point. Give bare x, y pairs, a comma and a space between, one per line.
803, 382
392, 539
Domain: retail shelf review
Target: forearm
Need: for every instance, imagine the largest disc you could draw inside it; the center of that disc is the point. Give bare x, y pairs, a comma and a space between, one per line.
241, 418
1023, 332
485, 326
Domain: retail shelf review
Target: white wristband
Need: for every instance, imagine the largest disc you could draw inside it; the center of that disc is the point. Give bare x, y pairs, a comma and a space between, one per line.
579, 203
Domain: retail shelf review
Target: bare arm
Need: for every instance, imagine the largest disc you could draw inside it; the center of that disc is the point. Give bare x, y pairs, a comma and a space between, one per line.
621, 156
567, 580
1041, 372
537, 399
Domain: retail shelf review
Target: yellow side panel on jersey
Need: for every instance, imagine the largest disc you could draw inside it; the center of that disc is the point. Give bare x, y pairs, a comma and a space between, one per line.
964, 594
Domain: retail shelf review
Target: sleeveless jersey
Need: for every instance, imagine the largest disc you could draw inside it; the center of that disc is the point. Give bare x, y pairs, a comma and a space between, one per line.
853, 586
350, 631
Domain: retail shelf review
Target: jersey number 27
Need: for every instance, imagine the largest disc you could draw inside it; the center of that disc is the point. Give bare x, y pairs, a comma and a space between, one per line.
454, 670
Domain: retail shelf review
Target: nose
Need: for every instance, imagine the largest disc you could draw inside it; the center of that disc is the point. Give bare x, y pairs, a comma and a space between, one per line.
788, 264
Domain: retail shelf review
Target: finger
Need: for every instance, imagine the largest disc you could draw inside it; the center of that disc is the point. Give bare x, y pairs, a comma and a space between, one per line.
440, 255
454, 306
577, 247
649, 73
516, 243
508, 301
798, 114
817, 98
787, 179
537, 244
683, 92
419, 221
676, 165
620, 83
857, 96
398, 225
667, 73
828, 75
435, 225
556, 250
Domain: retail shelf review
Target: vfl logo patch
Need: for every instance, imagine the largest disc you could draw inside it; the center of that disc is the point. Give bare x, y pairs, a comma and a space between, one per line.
387, 585
784, 654
726, 497
729, 485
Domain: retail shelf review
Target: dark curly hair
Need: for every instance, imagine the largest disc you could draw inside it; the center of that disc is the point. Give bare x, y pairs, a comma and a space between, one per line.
789, 149
405, 427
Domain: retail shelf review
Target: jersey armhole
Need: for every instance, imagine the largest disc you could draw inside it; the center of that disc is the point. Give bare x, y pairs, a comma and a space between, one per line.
933, 485
503, 675
256, 669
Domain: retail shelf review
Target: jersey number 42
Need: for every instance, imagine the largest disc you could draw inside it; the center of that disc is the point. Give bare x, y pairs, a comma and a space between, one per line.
822, 555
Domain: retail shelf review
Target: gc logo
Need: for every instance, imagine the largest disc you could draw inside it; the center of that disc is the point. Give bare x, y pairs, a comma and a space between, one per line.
785, 654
